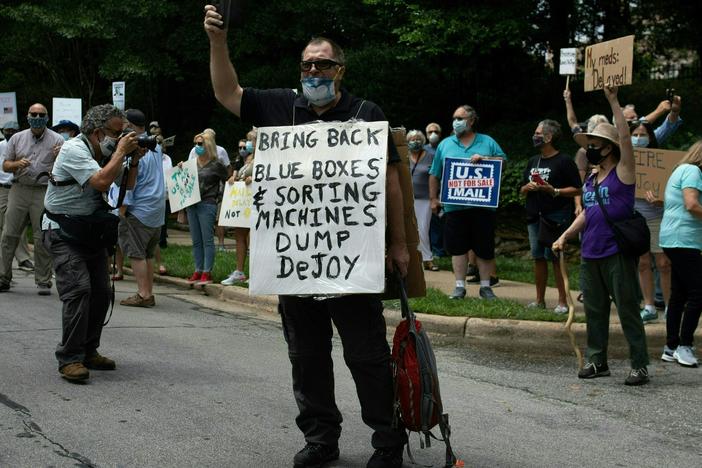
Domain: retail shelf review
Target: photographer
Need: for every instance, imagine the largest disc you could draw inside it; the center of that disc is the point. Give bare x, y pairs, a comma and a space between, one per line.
79, 243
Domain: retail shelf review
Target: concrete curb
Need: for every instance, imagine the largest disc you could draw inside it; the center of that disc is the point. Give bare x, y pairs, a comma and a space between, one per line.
528, 337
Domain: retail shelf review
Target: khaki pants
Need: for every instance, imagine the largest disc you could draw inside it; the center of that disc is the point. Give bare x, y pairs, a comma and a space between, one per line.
24, 200
22, 252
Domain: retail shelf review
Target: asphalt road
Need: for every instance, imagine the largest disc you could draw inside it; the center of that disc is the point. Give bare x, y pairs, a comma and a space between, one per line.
205, 383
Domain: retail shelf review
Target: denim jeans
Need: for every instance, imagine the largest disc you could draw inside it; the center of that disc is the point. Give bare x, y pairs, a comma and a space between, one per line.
201, 217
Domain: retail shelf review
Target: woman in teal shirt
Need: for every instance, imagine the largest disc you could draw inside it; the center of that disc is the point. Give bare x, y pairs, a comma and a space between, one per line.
681, 239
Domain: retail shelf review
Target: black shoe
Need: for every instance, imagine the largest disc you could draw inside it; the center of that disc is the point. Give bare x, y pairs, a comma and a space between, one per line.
637, 377
660, 305
494, 281
472, 270
389, 457
592, 370
486, 292
4, 287
26, 265
315, 455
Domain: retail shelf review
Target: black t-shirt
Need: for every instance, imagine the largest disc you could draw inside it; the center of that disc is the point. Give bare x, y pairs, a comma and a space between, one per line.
560, 171
280, 107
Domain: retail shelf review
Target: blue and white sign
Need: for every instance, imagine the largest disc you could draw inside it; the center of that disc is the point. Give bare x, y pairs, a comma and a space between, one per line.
471, 184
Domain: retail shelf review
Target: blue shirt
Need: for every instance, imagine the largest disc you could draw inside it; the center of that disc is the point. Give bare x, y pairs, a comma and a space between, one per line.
146, 201
452, 147
679, 228
666, 129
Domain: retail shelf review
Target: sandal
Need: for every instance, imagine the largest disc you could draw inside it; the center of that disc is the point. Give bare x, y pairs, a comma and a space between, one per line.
162, 270
117, 277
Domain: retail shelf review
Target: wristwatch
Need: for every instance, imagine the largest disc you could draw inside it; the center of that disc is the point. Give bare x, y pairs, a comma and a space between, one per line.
556, 192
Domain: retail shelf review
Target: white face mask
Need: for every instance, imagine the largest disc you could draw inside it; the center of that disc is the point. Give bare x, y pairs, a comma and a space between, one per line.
318, 91
434, 138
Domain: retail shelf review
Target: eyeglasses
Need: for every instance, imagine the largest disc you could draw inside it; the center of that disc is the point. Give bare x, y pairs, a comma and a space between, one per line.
320, 65
37, 114
593, 147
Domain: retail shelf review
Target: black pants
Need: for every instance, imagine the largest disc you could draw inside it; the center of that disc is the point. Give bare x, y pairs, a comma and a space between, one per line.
83, 286
307, 325
685, 302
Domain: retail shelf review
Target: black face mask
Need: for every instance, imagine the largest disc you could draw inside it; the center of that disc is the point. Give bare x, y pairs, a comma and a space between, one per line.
594, 156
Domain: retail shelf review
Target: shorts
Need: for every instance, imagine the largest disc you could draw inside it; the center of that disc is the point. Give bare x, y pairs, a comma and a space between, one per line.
471, 229
654, 225
538, 251
136, 239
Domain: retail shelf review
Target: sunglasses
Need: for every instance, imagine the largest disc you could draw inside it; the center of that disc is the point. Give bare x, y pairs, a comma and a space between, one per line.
320, 65
199, 144
37, 114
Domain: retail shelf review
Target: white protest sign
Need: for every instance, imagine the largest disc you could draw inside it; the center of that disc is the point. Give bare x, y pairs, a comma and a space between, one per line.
569, 61
67, 109
118, 94
236, 205
609, 63
318, 222
183, 186
8, 108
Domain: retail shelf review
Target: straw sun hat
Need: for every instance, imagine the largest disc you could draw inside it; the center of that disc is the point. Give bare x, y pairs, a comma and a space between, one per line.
605, 131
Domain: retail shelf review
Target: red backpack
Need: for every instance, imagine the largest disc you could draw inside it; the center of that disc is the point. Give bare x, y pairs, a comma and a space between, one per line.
417, 395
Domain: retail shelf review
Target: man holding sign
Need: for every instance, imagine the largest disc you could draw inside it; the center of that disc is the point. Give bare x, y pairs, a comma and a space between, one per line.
306, 320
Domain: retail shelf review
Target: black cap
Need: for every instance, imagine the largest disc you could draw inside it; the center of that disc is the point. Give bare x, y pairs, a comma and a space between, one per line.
136, 117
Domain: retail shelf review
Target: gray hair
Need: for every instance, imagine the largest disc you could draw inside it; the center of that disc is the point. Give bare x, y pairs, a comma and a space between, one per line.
553, 128
472, 114
97, 116
594, 121
414, 133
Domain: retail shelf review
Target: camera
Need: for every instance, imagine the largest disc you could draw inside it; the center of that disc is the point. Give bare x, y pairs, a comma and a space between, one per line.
144, 141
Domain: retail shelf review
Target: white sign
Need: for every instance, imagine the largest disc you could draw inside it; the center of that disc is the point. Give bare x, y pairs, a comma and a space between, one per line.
8, 108
318, 222
236, 205
569, 62
118, 94
183, 186
67, 109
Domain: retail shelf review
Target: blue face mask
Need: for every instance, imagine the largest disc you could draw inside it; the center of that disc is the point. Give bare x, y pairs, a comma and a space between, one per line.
249, 147
38, 122
639, 141
66, 136
460, 126
199, 150
414, 145
318, 91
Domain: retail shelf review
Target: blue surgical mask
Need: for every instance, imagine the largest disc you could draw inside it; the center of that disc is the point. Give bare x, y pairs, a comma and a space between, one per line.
460, 126
38, 122
66, 136
199, 150
640, 141
249, 147
318, 91
243, 153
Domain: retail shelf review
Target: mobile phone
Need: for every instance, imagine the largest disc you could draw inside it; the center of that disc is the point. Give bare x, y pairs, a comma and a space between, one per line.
536, 177
224, 8
670, 94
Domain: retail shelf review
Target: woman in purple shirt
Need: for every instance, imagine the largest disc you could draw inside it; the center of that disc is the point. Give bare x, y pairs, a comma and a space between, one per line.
606, 273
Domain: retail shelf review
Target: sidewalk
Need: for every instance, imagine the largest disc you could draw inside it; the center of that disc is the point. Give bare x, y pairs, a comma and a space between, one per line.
530, 337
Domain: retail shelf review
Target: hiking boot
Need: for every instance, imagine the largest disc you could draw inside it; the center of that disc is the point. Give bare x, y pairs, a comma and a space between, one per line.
388, 457
648, 315
638, 376
99, 362
458, 293
235, 277
194, 278
74, 371
592, 370
685, 356
315, 455
205, 278
560, 309
138, 301
668, 354
486, 293
44, 289
26, 265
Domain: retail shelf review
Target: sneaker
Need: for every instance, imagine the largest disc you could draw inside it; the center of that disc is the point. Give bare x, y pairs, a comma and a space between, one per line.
560, 309
315, 455
389, 457
458, 293
536, 305
494, 281
99, 362
26, 265
44, 289
592, 370
235, 277
74, 371
486, 293
668, 354
221, 248
194, 278
472, 271
685, 356
205, 278
138, 301
648, 315
638, 376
